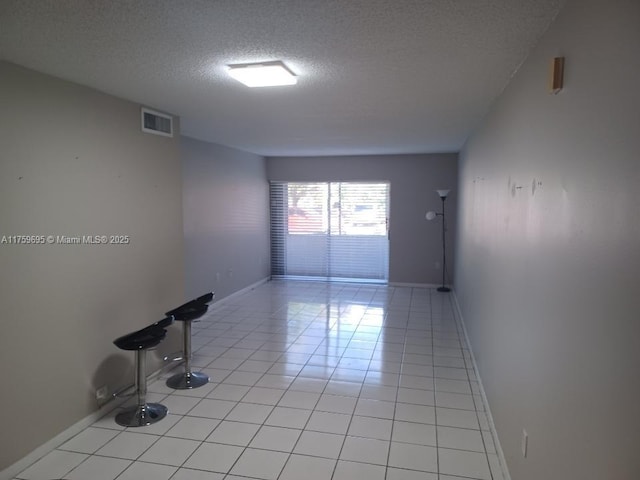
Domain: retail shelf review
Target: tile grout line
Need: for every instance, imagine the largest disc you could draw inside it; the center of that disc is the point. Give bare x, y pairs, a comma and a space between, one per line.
463, 341
435, 401
307, 330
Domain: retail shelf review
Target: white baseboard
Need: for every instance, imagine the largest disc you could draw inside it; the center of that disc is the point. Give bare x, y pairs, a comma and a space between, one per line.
492, 426
413, 285
10, 472
35, 455
253, 286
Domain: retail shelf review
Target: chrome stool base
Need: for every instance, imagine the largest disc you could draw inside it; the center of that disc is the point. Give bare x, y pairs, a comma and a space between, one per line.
141, 415
185, 381
188, 379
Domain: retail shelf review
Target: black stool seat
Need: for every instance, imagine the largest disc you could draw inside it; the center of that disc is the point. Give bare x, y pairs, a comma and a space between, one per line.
189, 311
186, 314
164, 323
140, 341
206, 298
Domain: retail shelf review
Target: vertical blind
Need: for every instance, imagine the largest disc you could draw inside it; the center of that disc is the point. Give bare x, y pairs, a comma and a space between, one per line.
330, 230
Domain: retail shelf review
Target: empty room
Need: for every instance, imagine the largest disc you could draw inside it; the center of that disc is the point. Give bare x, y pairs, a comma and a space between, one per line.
321, 240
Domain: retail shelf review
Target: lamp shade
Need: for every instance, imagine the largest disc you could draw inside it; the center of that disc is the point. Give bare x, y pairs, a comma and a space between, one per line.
430, 215
443, 193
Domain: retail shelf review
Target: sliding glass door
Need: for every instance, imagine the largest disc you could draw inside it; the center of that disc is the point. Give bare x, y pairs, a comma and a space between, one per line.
330, 230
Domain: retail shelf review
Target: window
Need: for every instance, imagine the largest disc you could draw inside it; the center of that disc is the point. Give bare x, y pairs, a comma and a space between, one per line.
330, 230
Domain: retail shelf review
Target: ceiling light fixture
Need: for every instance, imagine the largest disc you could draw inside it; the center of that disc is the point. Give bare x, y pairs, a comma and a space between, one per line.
265, 74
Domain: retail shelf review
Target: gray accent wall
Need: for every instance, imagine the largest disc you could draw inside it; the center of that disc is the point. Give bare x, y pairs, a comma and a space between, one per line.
548, 251
415, 248
226, 218
74, 162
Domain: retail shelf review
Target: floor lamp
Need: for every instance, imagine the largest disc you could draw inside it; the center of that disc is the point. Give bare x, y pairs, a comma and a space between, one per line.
430, 216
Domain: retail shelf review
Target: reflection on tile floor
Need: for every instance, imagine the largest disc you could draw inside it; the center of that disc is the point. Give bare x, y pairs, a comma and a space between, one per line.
312, 381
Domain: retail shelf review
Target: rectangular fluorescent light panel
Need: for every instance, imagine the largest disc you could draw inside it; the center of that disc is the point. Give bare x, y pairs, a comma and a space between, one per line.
267, 74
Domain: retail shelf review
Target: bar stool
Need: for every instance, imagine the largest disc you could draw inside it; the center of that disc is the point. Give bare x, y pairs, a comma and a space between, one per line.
206, 298
142, 413
186, 314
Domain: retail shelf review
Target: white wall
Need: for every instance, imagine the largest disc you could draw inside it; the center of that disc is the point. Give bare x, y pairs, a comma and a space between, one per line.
548, 251
73, 161
226, 218
415, 245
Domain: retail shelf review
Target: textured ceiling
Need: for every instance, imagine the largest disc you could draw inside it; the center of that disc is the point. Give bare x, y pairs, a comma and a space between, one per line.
375, 77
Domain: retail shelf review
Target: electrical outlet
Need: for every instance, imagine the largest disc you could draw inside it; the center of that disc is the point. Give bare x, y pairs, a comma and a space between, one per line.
101, 393
525, 442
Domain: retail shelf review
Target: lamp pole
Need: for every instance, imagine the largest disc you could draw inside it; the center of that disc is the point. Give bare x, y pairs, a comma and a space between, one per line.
430, 216
443, 288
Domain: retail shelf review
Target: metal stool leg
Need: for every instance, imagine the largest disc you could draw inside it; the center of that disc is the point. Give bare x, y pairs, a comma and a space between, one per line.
142, 413
187, 379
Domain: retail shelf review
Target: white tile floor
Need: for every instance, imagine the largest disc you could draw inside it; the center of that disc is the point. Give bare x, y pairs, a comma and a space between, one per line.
310, 381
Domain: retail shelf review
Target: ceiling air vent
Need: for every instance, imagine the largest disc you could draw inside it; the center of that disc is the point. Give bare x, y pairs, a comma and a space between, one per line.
157, 123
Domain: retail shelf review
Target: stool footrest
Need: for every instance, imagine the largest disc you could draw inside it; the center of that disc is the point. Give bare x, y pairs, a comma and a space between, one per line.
173, 358
123, 394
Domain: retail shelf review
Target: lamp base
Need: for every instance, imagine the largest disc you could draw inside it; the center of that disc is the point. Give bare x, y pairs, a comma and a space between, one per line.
444, 289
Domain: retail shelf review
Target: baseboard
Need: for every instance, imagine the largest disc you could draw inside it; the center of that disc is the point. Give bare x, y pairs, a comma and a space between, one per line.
414, 285
35, 455
492, 426
253, 286
10, 472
